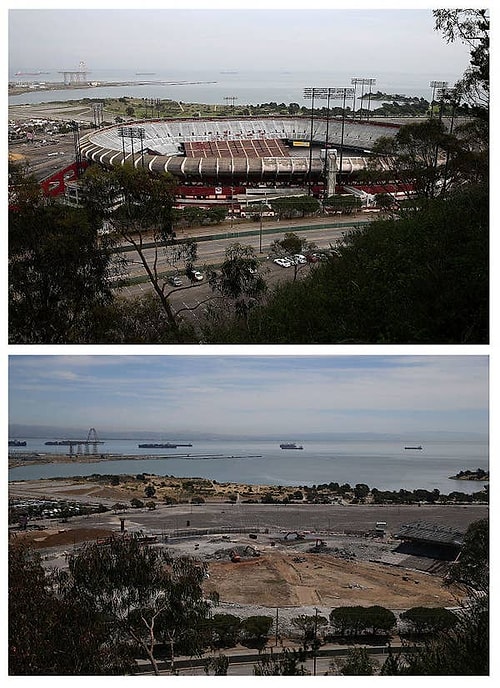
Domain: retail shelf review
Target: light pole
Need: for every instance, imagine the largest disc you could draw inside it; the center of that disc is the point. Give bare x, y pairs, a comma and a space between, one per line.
311, 93
435, 85
132, 133
335, 93
364, 82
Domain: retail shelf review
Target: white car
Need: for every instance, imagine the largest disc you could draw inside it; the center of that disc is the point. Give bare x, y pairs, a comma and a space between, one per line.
197, 276
283, 262
300, 259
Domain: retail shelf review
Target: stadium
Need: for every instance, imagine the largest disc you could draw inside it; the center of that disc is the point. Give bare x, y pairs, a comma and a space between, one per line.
214, 159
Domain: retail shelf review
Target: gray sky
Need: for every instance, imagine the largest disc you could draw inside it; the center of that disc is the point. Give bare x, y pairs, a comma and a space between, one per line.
377, 40
252, 394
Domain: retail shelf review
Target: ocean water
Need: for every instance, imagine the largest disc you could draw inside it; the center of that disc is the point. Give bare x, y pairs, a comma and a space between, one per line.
385, 465
247, 87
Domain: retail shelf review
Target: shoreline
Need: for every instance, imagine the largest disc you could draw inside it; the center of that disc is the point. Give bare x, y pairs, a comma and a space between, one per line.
61, 86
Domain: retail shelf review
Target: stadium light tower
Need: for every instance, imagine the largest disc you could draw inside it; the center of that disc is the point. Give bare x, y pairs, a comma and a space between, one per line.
231, 99
436, 85
364, 81
327, 94
133, 133
311, 93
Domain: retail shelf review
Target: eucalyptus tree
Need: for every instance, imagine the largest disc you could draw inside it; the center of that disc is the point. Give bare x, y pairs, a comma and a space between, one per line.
135, 208
142, 592
59, 265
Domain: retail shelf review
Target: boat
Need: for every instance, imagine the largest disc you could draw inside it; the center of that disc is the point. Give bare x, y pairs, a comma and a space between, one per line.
291, 445
145, 73
419, 447
16, 443
30, 73
163, 445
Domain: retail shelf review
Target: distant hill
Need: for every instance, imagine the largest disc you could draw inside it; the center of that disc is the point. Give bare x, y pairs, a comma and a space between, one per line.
22, 431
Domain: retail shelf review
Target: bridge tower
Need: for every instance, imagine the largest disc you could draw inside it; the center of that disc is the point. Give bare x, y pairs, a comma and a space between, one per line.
92, 440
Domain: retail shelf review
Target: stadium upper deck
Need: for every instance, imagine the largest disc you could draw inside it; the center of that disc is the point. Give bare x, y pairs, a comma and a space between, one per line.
249, 149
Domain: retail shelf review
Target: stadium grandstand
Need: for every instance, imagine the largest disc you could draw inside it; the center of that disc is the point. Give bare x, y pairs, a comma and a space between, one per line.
428, 546
249, 151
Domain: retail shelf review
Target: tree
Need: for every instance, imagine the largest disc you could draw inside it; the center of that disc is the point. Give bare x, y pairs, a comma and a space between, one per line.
429, 619
421, 278
142, 593
356, 620
288, 662
460, 650
54, 635
413, 157
361, 490
471, 568
59, 266
224, 630
471, 27
309, 624
255, 631
290, 246
217, 665
295, 206
356, 663
238, 275
137, 208
150, 491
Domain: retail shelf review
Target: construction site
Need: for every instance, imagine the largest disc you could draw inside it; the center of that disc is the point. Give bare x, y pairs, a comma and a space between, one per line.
298, 557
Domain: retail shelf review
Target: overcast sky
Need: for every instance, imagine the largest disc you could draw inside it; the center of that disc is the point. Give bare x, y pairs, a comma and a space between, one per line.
251, 394
298, 36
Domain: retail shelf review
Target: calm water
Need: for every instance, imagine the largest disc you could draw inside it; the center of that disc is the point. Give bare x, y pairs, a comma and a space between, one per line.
381, 464
247, 87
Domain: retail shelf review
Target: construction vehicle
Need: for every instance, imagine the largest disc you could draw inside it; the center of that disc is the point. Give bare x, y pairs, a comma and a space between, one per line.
234, 556
298, 536
253, 551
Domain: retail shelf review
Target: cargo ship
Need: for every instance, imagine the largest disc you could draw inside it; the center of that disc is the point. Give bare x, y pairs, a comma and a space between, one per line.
16, 443
419, 448
163, 445
291, 445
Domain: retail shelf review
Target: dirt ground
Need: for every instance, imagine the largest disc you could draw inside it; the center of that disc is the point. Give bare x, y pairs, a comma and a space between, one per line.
286, 580
294, 579
353, 571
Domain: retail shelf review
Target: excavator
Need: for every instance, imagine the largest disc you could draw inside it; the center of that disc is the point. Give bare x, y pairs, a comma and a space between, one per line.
235, 557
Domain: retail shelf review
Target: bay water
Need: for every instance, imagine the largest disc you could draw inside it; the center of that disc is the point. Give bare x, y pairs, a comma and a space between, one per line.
242, 87
384, 464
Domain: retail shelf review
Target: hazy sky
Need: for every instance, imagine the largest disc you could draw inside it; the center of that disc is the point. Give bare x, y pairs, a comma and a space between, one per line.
298, 36
251, 394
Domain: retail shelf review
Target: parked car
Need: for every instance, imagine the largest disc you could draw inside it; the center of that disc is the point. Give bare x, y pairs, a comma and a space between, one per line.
197, 276
283, 262
299, 259
175, 281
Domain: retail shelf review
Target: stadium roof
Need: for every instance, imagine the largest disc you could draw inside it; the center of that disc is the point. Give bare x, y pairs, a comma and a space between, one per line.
422, 531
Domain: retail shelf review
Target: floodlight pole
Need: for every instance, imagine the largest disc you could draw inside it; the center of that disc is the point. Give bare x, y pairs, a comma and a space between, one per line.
328, 93
364, 82
436, 85
132, 133
310, 93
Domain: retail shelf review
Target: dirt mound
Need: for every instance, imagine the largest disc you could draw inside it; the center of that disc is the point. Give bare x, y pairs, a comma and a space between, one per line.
55, 538
281, 580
